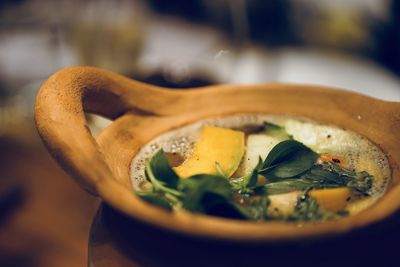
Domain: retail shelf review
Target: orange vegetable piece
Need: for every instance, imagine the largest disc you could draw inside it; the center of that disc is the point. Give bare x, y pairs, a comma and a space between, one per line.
331, 199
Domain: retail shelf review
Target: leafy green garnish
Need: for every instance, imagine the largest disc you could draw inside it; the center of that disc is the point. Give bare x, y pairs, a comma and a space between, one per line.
158, 181
255, 209
329, 173
161, 169
211, 195
325, 175
164, 183
362, 183
282, 151
218, 206
203, 193
196, 188
288, 159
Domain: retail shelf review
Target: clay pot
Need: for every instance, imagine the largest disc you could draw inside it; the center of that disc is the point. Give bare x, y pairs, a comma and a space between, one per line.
141, 112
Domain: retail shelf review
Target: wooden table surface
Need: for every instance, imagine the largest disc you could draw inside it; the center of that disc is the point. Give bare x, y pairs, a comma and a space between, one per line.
49, 217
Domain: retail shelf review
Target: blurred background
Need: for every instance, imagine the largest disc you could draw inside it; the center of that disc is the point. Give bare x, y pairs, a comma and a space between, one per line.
44, 217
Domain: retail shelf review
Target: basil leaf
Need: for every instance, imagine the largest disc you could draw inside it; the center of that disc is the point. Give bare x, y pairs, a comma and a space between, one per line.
162, 170
288, 159
358, 181
156, 199
300, 162
195, 189
284, 151
228, 209
362, 183
162, 177
217, 205
323, 175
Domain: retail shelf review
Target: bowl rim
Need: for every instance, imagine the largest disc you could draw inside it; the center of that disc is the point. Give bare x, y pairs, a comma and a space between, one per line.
102, 167
209, 227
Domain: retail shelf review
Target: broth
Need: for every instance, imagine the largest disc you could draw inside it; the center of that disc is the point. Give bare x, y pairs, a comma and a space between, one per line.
362, 155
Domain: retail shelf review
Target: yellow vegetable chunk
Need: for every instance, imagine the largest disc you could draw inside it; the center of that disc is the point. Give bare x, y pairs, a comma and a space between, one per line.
215, 145
332, 199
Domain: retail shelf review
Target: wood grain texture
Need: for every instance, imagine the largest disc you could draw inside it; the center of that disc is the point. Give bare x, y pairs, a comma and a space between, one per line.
142, 112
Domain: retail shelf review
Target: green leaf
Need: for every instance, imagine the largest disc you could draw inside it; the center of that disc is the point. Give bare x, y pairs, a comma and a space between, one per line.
155, 199
195, 189
257, 210
217, 205
332, 174
322, 176
158, 183
299, 163
362, 183
288, 159
319, 173
283, 151
162, 171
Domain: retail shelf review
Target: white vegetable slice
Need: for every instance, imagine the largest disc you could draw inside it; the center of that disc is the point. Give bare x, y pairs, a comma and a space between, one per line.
283, 204
257, 145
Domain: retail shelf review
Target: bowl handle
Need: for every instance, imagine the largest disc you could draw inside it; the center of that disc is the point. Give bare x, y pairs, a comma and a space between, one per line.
60, 118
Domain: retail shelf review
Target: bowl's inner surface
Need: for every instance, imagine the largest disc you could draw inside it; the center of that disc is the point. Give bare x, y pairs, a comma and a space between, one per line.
362, 153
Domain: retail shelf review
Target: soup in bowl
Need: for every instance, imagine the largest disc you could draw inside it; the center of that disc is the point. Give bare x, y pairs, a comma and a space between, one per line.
235, 163
261, 167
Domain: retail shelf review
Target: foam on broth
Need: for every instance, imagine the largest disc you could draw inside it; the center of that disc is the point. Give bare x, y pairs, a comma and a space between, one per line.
363, 154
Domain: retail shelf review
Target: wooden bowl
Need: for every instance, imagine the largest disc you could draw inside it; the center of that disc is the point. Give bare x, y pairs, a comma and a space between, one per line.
142, 112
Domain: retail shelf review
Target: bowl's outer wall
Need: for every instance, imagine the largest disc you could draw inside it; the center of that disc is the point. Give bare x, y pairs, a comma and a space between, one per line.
143, 112
128, 242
